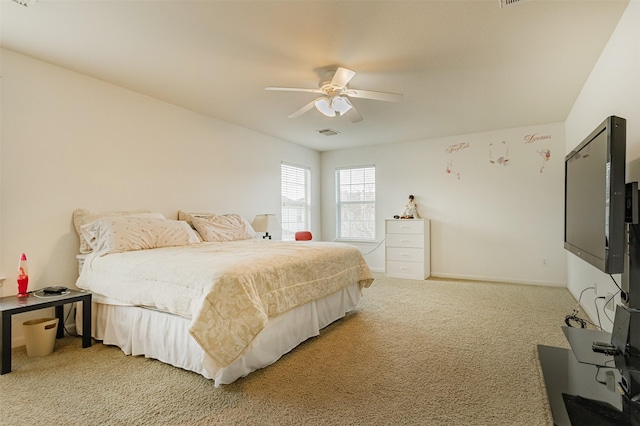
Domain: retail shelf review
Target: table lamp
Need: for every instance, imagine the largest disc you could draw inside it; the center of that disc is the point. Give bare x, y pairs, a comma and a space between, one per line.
265, 223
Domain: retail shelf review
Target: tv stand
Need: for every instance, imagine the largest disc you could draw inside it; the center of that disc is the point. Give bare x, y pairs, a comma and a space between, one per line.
586, 387
591, 388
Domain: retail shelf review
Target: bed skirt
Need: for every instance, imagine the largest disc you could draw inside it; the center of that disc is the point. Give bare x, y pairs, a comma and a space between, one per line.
165, 337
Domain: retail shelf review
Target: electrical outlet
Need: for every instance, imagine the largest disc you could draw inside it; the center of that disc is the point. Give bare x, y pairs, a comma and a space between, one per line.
609, 304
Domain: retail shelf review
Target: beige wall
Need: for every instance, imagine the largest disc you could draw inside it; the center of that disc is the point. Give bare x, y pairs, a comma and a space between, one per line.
613, 88
489, 221
71, 141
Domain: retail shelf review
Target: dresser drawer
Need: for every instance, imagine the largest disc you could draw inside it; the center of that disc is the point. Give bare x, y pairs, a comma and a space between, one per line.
405, 240
405, 226
412, 270
405, 254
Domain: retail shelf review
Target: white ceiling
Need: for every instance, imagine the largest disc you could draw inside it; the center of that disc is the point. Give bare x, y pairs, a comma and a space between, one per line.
463, 66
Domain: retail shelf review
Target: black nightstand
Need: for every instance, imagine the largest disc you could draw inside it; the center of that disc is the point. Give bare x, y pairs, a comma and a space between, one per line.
11, 305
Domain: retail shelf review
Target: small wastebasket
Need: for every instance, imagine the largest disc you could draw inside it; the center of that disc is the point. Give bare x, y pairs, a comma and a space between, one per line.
40, 335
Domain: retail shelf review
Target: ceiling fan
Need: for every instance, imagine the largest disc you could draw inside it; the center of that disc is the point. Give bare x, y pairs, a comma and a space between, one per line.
336, 94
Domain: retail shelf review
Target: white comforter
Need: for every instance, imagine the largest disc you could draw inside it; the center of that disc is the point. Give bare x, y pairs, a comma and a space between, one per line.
229, 290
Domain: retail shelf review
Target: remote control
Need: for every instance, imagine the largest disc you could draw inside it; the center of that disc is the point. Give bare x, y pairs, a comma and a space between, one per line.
604, 344
605, 348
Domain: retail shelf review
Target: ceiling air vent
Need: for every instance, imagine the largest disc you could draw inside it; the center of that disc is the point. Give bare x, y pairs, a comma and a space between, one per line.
507, 3
328, 132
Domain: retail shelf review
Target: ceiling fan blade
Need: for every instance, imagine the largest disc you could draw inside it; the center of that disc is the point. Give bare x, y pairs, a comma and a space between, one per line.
377, 96
304, 109
293, 89
342, 77
353, 114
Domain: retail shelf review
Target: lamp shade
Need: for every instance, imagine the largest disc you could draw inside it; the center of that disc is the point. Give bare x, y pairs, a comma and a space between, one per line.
265, 223
341, 105
324, 106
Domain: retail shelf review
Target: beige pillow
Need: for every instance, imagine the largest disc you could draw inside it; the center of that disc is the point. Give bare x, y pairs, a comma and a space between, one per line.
83, 216
228, 227
129, 233
188, 216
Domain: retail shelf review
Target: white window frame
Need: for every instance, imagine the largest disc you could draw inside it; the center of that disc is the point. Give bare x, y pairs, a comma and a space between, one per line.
356, 198
295, 195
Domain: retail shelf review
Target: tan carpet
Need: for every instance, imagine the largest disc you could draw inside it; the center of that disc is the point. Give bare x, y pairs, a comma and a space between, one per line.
435, 352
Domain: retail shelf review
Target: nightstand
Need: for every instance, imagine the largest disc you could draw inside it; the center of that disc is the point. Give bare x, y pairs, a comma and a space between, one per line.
12, 305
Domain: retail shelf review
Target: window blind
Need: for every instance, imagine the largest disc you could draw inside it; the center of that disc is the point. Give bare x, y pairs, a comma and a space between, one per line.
296, 199
356, 203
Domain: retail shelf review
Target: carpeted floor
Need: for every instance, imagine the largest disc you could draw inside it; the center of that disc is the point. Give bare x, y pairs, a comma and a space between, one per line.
434, 352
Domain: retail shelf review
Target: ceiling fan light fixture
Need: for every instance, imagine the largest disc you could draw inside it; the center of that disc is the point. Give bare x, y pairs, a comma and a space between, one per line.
341, 105
324, 106
336, 93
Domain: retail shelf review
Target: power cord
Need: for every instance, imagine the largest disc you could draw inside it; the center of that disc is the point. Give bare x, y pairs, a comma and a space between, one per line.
42, 295
374, 249
605, 311
573, 319
614, 281
64, 323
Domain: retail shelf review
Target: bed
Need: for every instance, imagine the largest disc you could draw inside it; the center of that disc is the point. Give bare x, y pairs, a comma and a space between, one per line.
205, 294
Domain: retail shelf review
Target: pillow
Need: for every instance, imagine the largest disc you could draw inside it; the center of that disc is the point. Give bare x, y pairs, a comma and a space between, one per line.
83, 216
228, 227
129, 233
188, 217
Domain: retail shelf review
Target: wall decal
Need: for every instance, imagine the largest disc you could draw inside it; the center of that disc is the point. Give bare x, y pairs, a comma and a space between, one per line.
536, 137
457, 147
502, 153
452, 149
450, 169
546, 155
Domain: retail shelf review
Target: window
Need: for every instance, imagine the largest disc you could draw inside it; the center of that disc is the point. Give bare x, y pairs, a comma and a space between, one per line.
356, 203
296, 200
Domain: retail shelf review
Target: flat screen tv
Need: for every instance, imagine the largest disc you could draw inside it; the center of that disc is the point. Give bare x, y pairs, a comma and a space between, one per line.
594, 197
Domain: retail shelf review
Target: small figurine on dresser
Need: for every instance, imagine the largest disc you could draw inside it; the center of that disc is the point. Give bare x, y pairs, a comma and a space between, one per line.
410, 209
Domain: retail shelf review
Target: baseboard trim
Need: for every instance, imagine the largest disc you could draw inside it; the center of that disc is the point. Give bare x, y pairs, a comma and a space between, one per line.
497, 279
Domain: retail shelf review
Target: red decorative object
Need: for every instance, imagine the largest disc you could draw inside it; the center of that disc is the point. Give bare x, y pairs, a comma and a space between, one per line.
23, 277
303, 236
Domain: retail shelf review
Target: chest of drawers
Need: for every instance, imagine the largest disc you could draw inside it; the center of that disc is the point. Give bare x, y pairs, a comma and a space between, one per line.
407, 248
